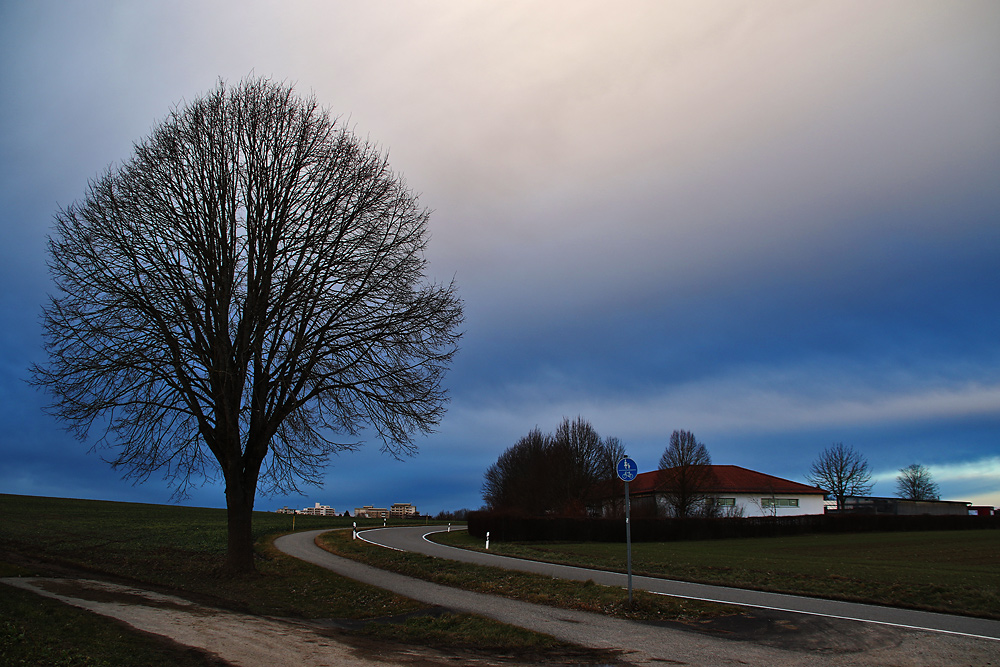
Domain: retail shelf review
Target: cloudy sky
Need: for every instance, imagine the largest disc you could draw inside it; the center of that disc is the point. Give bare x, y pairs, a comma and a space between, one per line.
775, 224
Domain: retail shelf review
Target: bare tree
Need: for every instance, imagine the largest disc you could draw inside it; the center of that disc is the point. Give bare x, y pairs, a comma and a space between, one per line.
613, 452
841, 471
552, 473
713, 510
249, 284
767, 504
519, 478
915, 483
576, 455
685, 487
608, 482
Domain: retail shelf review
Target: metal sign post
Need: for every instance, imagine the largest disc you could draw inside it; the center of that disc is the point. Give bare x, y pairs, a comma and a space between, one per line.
626, 472
628, 541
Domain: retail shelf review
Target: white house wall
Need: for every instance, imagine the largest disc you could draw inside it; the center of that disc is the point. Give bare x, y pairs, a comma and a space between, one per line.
753, 505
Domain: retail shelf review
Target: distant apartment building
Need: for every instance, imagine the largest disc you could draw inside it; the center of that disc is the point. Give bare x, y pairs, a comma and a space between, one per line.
315, 510
370, 512
319, 510
395, 511
402, 510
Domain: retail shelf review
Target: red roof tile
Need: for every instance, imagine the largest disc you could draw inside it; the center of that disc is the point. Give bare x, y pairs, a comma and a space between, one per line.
726, 479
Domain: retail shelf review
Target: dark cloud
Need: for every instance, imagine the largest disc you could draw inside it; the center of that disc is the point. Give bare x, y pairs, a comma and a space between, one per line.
774, 225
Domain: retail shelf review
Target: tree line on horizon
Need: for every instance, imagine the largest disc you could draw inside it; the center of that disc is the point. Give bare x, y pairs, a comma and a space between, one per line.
843, 471
560, 473
552, 473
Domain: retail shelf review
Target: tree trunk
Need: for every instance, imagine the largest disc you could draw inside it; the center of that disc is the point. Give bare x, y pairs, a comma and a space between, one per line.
239, 511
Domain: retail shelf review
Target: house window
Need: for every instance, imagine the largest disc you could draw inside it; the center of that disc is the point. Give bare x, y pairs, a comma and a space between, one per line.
725, 502
779, 502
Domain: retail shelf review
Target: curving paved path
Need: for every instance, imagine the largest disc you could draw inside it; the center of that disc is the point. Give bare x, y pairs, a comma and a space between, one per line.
413, 538
810, 640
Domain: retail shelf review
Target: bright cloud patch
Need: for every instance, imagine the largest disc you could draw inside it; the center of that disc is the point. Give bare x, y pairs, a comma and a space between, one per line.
756, 404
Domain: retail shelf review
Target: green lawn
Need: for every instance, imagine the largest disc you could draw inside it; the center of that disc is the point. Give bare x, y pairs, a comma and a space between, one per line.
951, 571
536, 588
181, 550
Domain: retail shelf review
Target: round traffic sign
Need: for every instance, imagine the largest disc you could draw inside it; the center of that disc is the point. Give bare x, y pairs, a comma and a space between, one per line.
627, 470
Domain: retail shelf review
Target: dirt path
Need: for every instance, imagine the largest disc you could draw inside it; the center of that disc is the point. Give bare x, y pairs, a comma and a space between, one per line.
239, 639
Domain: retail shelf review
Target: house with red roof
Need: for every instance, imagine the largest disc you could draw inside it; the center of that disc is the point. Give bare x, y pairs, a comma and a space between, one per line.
733, 490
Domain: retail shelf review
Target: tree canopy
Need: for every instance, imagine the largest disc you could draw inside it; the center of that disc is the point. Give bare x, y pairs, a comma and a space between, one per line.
841, 471
552, 473
242, 298
688, 459
915, 482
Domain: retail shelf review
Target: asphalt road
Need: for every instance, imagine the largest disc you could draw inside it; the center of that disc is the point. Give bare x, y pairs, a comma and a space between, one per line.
414, 539
772, 638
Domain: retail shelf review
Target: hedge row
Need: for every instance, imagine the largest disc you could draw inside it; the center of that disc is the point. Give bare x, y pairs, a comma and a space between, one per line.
515, 528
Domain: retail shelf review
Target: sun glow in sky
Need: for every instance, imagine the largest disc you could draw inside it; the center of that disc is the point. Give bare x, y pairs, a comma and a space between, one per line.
774, 224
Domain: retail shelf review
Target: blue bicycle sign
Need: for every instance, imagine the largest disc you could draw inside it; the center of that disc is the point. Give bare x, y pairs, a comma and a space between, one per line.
627, 470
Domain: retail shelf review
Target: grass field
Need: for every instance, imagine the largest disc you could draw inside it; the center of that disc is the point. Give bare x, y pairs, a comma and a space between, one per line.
952, 572
586, 596
181, 550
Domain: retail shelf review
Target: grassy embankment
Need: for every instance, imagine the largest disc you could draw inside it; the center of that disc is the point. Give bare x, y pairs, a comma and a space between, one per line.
180, 550
585, 596
956, 572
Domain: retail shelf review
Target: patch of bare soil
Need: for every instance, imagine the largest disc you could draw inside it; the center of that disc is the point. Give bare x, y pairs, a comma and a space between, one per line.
252, 641
438, 656
815, 635
347, 631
